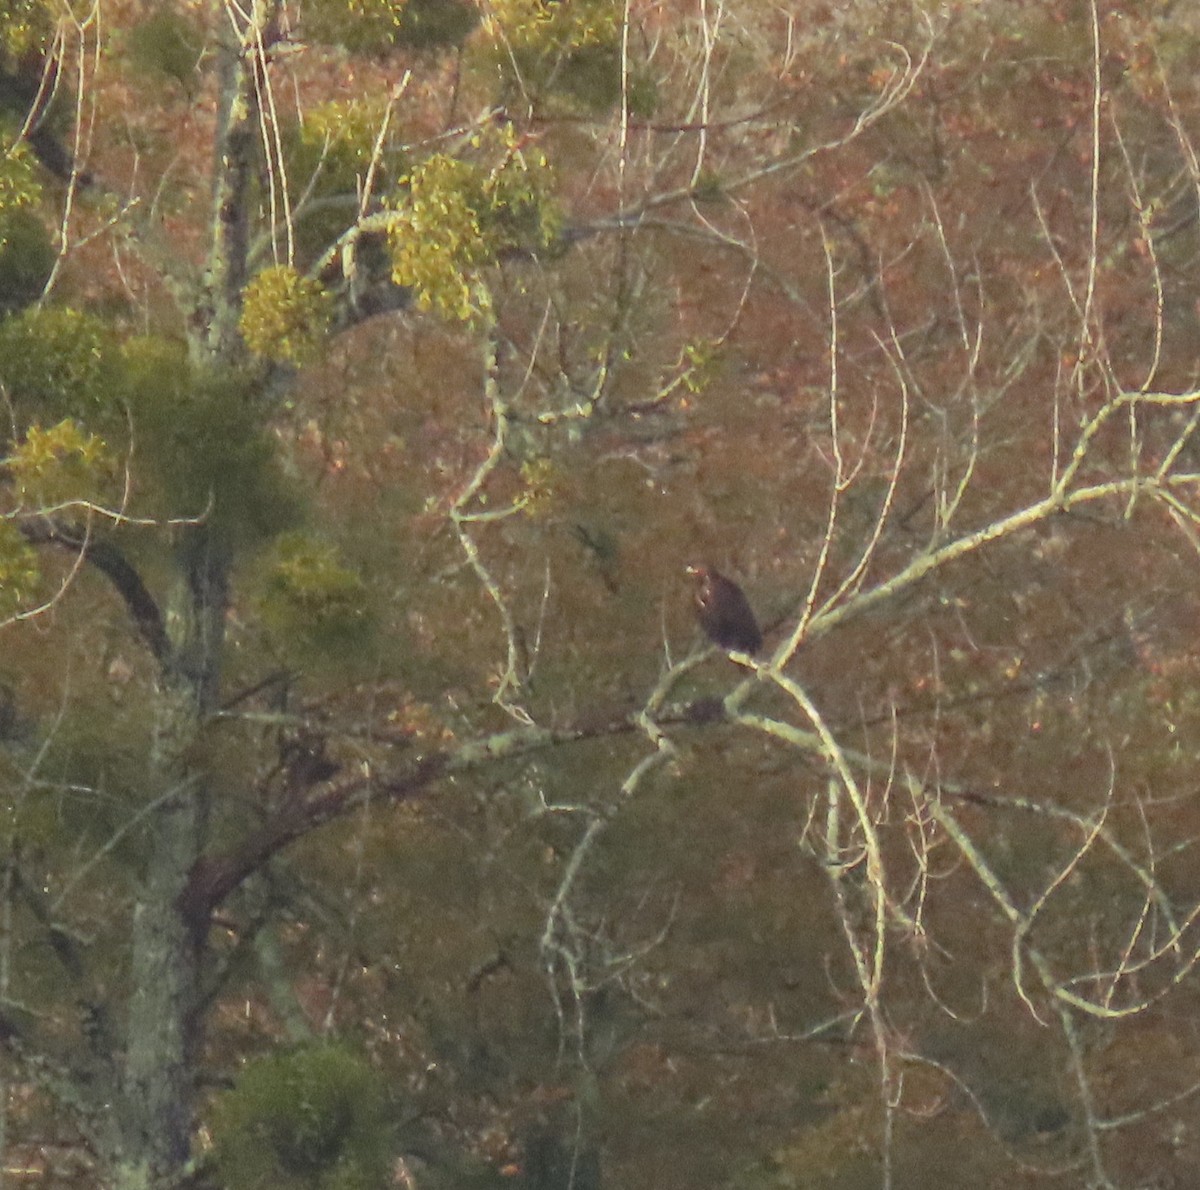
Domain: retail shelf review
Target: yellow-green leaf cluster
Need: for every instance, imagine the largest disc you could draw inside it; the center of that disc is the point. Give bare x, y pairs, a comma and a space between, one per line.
567, 56
346, 128
18, 570
547, 25
309, 574
57, 465
19, 187
358, 25
25, 25
285, 317
459, 216
311, 598
373, 26
701, 363
543, 481
57, 362
436, 239
328, 153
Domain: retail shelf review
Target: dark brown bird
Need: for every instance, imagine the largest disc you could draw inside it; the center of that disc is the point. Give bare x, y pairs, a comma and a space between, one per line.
724, 612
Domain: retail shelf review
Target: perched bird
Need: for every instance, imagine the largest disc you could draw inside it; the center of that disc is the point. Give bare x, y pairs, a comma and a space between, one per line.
724, 612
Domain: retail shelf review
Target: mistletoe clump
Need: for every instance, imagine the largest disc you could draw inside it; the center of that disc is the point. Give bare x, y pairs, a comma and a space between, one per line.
460, 216
311, 599
19, 570
285, 317
312, 1118
565, 56
57, 362
55, 466
19, 186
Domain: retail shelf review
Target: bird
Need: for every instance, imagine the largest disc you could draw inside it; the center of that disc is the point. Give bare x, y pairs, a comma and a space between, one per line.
724, 612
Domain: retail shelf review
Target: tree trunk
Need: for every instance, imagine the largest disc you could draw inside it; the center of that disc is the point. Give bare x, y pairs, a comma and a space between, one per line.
155, 1117
165, 1027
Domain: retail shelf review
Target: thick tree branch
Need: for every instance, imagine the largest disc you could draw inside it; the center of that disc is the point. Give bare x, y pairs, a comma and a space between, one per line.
112, 563
215, 877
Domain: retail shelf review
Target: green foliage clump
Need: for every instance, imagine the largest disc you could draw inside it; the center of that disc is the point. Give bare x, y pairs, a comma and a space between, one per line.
436, 240
591, 77
54, 466
25, 26
57, 362
19, 186
543, 25
312, 1118
460, 216
700, 364
26, 259
19, 570
285, 317
543, 482
360, 26
203, 444
168, 45
327, 154
344, 131
377, 26
311, 599
435, 24
567, 52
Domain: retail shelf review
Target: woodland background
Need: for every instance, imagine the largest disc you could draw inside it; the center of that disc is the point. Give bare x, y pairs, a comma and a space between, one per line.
373, 811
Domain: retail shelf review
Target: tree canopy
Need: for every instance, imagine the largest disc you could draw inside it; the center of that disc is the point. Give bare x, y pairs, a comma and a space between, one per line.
375, 811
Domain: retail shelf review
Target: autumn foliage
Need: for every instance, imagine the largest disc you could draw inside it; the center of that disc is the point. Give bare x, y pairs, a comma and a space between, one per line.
374, 809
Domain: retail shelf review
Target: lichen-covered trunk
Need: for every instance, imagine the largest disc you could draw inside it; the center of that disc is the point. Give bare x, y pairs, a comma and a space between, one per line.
155, 1114
155, 1119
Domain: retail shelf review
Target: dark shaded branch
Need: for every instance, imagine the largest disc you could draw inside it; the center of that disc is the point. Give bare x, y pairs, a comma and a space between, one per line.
214, 877
81, 1078
280, 677
61, 941
112, 563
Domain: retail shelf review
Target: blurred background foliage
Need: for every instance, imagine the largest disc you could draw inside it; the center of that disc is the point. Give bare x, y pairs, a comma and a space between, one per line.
665, 399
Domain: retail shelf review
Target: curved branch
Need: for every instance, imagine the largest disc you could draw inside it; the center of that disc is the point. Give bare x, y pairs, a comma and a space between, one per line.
112, 563
214, 877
